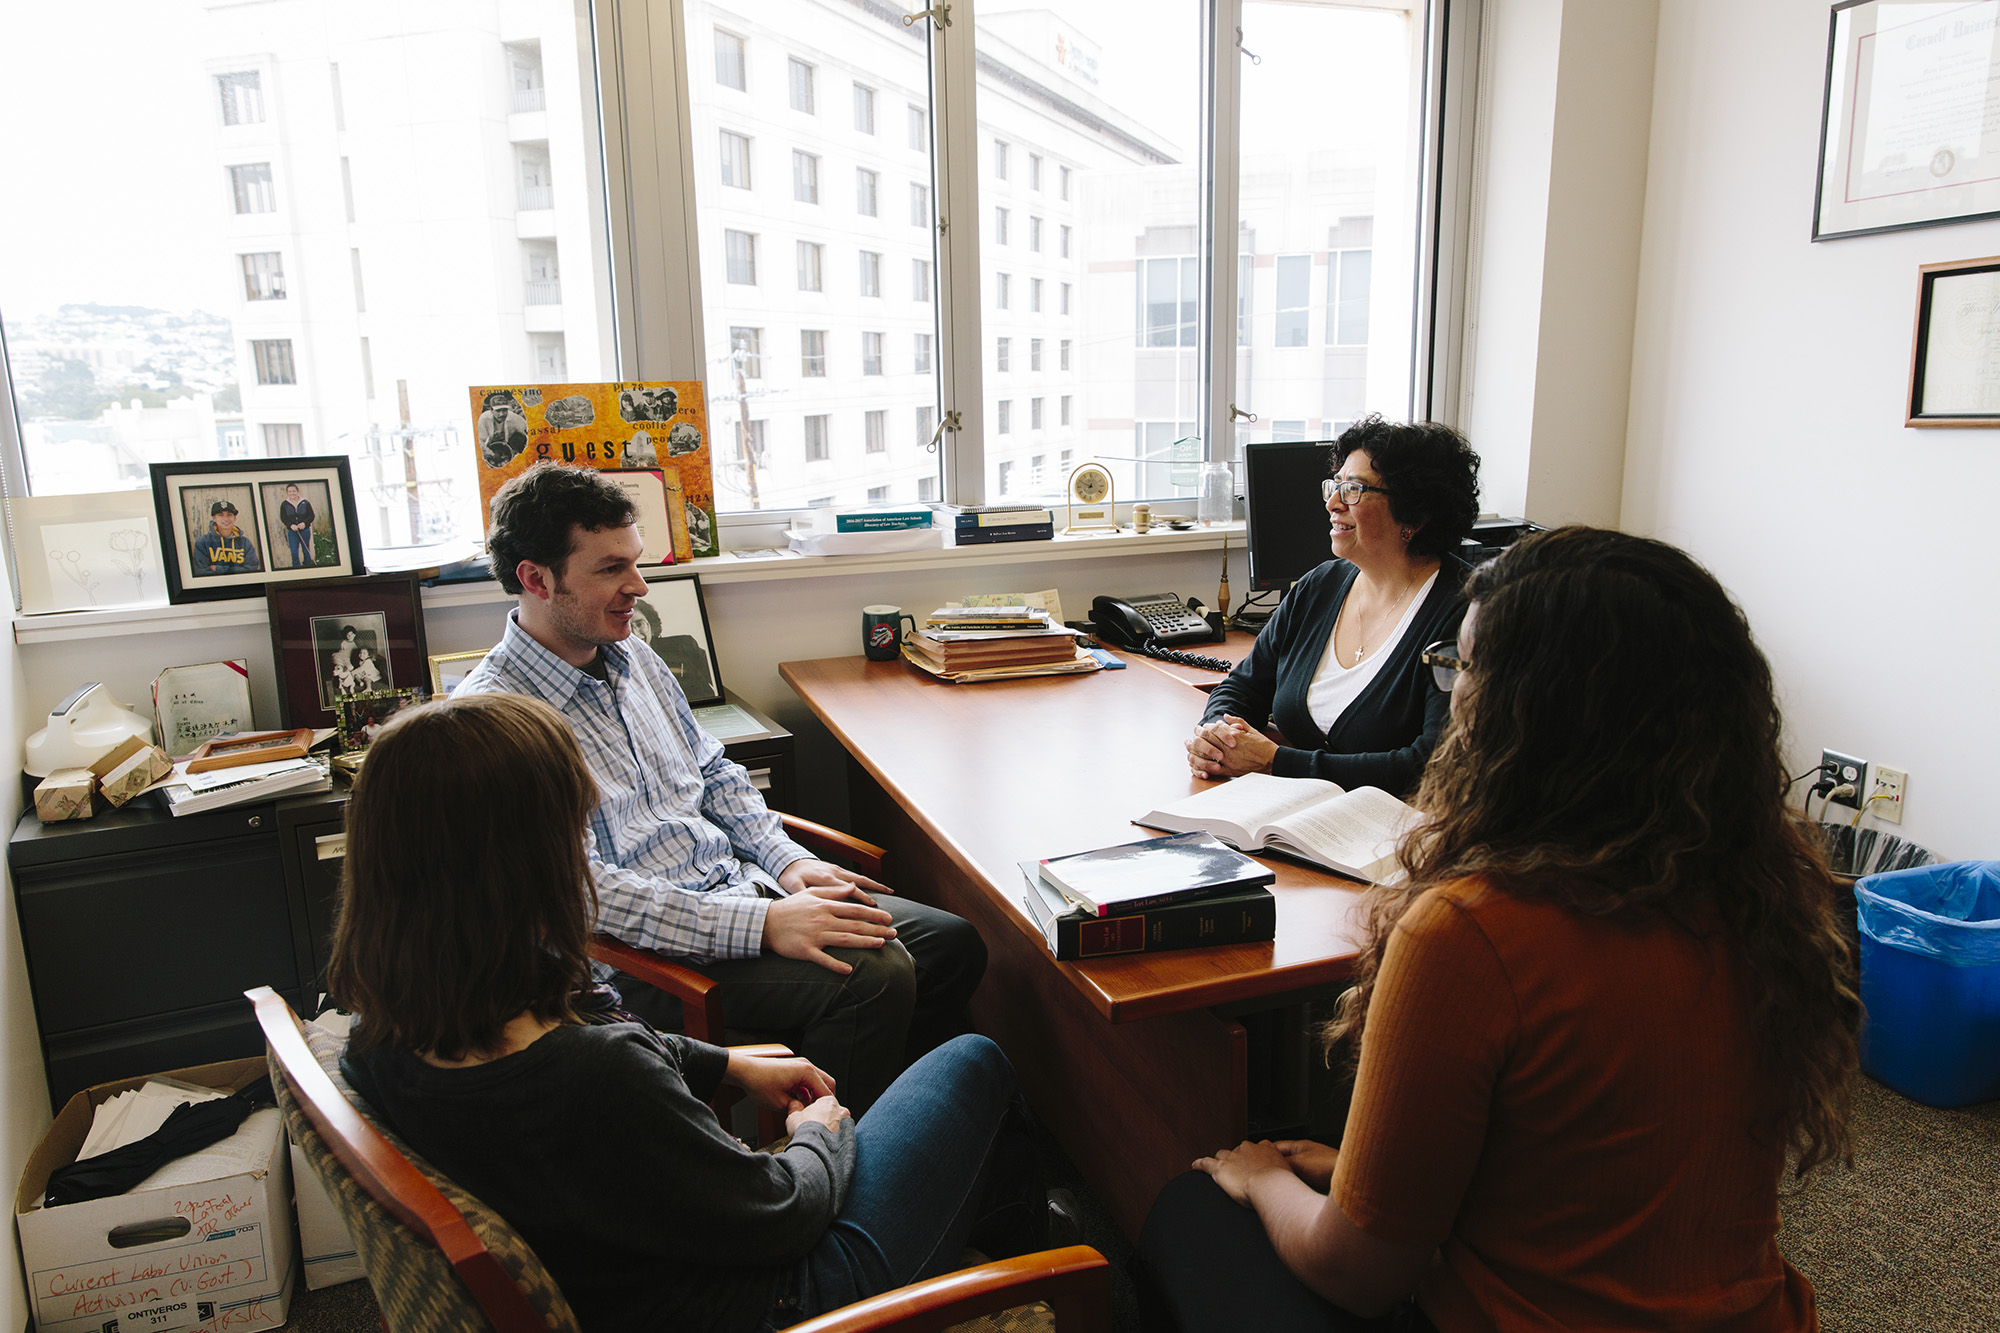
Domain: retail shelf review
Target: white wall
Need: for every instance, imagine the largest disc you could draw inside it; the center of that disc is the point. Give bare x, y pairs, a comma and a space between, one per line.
24, 1090
1766, 429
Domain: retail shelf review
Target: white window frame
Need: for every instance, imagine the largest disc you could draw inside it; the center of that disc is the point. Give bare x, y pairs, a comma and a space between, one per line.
657, 313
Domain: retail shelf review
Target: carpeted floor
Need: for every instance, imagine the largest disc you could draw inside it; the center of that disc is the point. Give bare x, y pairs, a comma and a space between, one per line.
1907, 1242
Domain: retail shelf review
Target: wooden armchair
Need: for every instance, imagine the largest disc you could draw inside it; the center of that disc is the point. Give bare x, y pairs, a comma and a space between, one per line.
439, 1259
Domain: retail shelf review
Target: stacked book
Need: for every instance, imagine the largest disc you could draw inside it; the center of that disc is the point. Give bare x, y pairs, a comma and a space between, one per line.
978, 525
1143, 897
963, 643
185, 793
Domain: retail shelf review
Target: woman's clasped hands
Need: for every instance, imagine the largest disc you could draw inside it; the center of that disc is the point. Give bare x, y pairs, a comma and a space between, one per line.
1229, 747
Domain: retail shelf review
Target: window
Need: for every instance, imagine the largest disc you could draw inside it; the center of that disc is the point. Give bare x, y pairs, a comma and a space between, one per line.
242, 97
926, 489
360, 294
875, 431
871, 354
524, 62
1064, 458
810, 253
1006, 418
283, 440
812, 353
1065, 299
800, 76
1063, 419
865, 192
339, 102
1063, 181
735, 160
1294, 295
251, 186
1034, 354
877, 494
1034, 414
1002, 288
1006, 468
542, 279
751, 439
805, 177
1246, 278
347, 187
920, 132
273, 360
1000, 350
1034, 171
922, 364
816, 451
1000, 226
920, 279
739, 249
920, 205
1288, 430
871, 273
1347, 297
1034, 294
1000, 159
746, 352
264, 276
729, 62
367, 371
1062, 355
1035, 470
1035, 234
1063, 251
551, 356
535, 182
926, 423
864, 108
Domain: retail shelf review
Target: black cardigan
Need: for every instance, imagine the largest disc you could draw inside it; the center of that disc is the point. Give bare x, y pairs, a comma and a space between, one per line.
1388, 732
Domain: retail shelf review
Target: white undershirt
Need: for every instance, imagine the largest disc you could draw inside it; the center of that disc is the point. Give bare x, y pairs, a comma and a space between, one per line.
1335, 687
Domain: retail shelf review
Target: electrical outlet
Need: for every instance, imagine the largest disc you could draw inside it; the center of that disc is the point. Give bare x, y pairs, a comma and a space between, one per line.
1890, 784
1845, 771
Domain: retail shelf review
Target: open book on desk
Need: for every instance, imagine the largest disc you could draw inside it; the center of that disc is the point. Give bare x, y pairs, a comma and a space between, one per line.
1351, 833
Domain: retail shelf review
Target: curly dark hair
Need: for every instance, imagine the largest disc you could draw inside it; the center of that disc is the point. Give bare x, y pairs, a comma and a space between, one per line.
535, 514
1430, 472
1615, 752
466, 897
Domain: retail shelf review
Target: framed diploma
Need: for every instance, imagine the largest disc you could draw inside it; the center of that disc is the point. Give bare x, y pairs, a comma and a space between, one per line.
1910, 126
1955, 354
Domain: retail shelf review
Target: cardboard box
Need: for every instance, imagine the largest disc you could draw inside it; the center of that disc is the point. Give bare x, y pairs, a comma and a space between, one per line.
65, 794
130, 769
227, 1265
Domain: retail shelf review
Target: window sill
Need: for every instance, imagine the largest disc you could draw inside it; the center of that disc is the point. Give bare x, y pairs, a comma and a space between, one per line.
63, 626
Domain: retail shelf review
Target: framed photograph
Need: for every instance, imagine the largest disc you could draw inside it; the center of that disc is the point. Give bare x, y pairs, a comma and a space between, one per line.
259, 747
83, 552
362, 715
449, 670
1955, 352
229, 527
672, 621
335, 639
1912, 89
192, 705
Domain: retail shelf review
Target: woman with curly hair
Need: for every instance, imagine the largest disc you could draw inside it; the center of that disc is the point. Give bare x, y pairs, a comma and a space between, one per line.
1336, 669
1607, 1001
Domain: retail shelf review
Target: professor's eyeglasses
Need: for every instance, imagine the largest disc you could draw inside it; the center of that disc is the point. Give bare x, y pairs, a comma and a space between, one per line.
1349, 490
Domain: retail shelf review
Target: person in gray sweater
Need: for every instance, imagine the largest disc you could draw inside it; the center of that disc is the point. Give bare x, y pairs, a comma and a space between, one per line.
461, 949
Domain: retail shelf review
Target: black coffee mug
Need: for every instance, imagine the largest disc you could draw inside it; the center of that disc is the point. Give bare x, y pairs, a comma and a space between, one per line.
881, 631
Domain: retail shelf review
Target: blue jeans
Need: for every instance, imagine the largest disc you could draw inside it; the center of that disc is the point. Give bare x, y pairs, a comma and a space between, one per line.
301, 544
943, 1159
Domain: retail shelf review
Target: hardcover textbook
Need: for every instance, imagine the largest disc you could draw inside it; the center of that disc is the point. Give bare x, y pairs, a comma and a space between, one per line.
1073, 934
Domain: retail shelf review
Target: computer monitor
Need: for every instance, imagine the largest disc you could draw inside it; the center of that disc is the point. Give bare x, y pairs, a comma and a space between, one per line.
1284, 513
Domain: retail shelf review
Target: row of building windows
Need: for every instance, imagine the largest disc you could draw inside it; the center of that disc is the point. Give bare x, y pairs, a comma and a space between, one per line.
746, 345
1035, 482
1003, 353
1005, 421
739, 254
1003, 294
817, 435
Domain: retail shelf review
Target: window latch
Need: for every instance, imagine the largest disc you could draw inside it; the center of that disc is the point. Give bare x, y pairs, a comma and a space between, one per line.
938, 14
1238, 414
950, 422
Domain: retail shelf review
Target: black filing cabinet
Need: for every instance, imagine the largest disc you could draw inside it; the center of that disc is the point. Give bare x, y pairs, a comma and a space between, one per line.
142, 931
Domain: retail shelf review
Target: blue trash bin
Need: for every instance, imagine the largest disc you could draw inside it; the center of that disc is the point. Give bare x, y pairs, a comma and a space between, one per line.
1930, 981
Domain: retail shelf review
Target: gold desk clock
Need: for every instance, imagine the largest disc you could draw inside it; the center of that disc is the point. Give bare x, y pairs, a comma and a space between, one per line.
1092, 506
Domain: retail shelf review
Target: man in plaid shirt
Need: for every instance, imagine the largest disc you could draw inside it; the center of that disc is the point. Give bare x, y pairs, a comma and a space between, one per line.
687, 858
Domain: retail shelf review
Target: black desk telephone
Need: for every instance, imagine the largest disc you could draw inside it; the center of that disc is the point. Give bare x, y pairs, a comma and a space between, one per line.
1153, 617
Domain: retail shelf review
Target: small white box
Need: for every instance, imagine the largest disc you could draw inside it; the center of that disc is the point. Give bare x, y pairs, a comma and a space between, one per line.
325, 1243
224, 1255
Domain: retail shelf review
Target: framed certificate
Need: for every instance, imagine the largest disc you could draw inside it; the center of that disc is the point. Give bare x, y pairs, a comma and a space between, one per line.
1910, 124
1955, 353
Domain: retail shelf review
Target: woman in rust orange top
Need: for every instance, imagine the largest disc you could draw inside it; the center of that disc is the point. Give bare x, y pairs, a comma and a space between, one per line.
1608, 1000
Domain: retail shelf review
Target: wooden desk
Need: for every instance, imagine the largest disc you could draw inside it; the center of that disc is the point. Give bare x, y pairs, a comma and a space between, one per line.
1121, 1057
